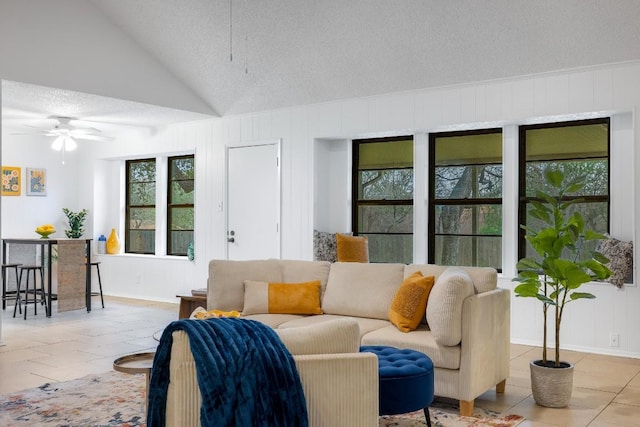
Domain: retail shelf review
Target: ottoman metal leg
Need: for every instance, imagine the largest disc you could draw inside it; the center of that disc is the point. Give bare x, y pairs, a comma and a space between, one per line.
426, 416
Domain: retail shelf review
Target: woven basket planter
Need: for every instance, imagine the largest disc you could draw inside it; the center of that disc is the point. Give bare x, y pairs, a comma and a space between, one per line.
551, 387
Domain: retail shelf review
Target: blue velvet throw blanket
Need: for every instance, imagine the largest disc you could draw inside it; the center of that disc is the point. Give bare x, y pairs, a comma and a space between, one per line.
245, 374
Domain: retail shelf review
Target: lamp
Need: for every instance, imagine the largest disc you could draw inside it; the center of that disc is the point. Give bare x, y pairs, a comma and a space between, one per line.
64, 142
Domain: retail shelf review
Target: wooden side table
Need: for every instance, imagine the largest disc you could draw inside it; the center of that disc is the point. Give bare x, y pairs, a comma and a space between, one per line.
188, 303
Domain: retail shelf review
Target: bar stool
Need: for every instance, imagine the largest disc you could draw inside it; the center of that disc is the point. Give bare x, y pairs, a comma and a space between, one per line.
35, 291
96, 264
9, 295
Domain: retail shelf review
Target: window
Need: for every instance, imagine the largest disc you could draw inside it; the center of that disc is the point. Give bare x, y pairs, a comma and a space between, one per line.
465, 198
180, 205
140, 224
579, 148
383, 197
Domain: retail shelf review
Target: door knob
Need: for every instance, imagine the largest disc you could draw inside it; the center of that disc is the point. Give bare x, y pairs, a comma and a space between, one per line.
230, 237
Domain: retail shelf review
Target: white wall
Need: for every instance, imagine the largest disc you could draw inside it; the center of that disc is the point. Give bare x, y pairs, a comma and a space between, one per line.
612, 89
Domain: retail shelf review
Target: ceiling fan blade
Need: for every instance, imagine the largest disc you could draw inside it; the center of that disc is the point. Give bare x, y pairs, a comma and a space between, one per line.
43, 130
90, 137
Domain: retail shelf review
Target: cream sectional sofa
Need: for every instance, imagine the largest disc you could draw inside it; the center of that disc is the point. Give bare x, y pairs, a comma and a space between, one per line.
467, 329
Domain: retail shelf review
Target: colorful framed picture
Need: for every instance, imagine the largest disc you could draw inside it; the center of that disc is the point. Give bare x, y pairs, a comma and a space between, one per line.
36, 182
11, 181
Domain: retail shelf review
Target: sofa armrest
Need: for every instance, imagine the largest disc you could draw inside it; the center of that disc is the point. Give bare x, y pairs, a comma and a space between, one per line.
340, 389
485, 346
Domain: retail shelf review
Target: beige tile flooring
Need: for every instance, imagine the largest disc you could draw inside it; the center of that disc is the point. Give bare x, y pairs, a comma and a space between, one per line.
73, 344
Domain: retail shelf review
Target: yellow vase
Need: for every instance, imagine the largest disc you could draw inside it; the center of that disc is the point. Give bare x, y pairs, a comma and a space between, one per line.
113, 243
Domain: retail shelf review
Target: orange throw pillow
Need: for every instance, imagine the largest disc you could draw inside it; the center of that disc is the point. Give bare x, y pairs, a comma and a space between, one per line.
410, 301
352, 248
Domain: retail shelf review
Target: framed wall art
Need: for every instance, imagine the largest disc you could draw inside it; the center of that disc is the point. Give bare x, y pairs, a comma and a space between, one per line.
36, 180
11, 181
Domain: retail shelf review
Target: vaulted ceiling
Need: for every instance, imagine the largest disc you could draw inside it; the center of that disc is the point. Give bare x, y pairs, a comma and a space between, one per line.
292, 52
239, 56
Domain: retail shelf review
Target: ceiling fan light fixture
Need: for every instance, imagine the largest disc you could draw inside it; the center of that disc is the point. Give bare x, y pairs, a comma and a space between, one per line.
64, 141
57, 143
70, 144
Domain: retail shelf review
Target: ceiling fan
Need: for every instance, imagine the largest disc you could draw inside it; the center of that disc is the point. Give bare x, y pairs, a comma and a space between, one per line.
66, 133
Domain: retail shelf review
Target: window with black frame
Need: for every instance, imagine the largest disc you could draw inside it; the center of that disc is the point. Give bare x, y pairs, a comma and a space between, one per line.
465, 198
140, 224
578, 149
180, 204
383, 197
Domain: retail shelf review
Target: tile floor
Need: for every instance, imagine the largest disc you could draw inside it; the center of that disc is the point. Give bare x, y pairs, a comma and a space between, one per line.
73, 344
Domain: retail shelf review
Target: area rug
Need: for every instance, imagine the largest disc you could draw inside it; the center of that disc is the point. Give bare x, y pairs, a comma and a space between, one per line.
117, 399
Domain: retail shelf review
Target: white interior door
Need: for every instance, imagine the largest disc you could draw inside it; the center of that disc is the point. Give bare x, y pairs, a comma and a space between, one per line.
253, 201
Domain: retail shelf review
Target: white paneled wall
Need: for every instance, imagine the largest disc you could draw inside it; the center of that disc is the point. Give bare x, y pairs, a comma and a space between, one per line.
315, 141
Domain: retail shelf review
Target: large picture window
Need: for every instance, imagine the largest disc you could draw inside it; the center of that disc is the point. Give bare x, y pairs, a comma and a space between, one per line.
465, 201
383, 197
578, 149
140, 224
180, 204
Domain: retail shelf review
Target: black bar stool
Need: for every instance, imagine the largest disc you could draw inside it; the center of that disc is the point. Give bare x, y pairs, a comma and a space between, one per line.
96, 264
9, 295
35, 291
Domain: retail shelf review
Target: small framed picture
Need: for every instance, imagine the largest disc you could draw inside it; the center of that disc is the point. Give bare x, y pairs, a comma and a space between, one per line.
36, 182
11, 181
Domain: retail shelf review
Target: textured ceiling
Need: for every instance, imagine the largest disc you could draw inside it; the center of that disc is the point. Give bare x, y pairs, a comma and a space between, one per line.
32, 105
297, 52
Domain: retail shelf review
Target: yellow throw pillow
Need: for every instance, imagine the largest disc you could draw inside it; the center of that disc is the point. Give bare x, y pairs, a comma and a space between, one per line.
281, 298
410, 301
352, 248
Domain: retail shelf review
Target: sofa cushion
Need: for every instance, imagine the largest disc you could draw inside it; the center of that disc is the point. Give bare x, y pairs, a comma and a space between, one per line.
281, 298
352, 248
294, 271
421, 340
333, 336
444, 308
410, 302
274, 320
226, 280
362, 290
484, 279
365, 324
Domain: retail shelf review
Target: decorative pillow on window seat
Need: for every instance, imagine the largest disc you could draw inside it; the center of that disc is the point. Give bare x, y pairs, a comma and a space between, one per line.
620, 255
352, 248
281, 298
410, 301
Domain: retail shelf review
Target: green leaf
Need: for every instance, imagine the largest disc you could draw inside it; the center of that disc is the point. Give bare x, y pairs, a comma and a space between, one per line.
554, 177
594, 235
581, 295
547, 198
600, 258
526, 290
599, 270
541, 215
528, 264
572, 273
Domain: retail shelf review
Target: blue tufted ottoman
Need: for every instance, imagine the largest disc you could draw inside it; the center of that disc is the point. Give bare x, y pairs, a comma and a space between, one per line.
406, 380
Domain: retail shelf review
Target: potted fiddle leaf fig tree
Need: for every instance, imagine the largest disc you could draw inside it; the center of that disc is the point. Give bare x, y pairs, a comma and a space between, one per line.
554, 276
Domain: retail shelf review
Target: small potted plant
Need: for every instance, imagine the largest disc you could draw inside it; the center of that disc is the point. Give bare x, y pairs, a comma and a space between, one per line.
76, 223
554, 277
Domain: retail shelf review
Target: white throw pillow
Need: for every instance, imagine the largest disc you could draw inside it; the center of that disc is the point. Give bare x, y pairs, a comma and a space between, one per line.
444, 309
